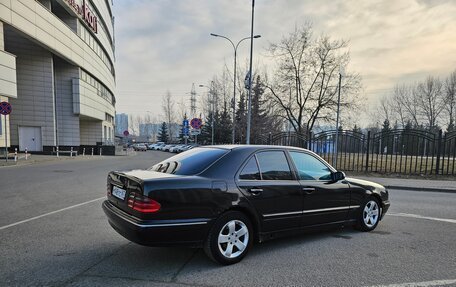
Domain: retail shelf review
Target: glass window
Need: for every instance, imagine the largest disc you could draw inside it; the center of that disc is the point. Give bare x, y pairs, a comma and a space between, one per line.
191, 162
274, 165
309, 167
250, 170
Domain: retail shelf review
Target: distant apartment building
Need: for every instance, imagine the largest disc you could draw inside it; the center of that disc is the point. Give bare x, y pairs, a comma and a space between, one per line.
121, 124
57, 72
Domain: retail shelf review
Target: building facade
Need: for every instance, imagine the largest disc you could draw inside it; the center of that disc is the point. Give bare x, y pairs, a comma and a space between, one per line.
57, 72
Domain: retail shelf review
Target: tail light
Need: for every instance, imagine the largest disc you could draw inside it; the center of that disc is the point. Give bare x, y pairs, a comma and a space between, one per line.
109, 189
142, 204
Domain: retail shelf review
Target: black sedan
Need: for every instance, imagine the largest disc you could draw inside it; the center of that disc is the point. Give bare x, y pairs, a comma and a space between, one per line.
224, 198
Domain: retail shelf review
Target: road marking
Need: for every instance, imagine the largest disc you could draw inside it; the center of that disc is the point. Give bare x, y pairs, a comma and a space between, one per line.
421, 284
50, 213
423, 217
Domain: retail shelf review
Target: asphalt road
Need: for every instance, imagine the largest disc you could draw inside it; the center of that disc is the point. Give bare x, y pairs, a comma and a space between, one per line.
53, 233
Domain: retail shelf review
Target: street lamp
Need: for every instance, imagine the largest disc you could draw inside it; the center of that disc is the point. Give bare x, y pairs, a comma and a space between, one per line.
213, 109
249, 110
234, 76
341, 72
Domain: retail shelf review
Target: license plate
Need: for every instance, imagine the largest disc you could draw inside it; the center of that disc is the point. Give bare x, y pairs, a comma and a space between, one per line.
118, 192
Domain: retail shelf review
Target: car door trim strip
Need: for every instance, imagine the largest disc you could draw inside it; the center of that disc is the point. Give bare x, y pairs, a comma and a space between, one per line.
283, 214
326, 209
311, 211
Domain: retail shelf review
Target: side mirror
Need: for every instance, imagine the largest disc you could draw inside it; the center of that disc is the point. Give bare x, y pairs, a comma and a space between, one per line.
338, 175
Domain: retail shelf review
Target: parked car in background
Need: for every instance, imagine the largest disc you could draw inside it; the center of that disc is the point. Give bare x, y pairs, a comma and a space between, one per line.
140, 147
159, 146
167, 147
175, 148
223, 198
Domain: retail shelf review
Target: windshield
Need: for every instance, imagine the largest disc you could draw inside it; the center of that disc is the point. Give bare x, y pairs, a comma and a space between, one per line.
190, 162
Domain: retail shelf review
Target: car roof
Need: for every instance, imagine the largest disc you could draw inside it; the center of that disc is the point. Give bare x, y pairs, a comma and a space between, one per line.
252, 147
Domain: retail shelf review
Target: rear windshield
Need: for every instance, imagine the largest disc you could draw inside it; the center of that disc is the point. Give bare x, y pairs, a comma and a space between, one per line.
190, 162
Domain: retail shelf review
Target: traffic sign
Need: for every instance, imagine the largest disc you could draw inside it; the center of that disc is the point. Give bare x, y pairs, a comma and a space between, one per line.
185, 123
185, 131
126, 133
5, 108
195, 132
196, 123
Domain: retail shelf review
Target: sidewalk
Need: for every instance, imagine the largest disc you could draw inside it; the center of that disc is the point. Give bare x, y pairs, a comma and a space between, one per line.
39, 158
414, 184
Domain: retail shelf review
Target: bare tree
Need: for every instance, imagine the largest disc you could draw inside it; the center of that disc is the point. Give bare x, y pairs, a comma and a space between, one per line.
168, 110
385, 108
450, 100
134, 121
430, 100
310, 68
182, 108
400, 94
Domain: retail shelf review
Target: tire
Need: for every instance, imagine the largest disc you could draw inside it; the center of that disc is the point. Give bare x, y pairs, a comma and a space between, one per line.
230, 238
369, 215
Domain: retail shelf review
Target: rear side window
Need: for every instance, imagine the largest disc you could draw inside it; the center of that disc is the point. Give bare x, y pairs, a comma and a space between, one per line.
250, 170
190, 162
274, 165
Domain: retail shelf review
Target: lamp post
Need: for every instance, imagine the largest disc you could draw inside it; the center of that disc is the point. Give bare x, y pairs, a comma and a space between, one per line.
341, 71
249, 111
234, 77
213, 110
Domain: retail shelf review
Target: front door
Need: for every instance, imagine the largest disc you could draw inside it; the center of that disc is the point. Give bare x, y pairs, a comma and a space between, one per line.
30, 139
267, 182
324, 201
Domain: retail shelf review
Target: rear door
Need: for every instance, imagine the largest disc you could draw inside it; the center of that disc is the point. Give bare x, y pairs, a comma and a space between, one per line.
268, 183
324, 200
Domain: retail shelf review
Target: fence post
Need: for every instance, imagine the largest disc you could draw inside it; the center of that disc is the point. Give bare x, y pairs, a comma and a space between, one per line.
269, 138
92, 151
367, 151
309, 141
439, 150
57, 151
15, 154
83, 151
100, 151
71, 152
26, 154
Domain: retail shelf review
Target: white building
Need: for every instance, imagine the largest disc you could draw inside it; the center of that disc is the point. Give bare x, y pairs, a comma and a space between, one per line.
57, 72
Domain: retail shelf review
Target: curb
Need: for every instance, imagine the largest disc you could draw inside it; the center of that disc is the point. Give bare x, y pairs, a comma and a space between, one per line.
428, 189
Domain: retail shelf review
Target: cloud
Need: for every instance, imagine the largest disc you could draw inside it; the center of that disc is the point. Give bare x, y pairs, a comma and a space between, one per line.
165, 44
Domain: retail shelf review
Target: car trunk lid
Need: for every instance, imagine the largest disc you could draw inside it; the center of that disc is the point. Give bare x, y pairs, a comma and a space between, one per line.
126, 191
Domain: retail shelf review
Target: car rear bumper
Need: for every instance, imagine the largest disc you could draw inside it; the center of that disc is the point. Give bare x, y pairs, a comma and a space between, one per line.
190, 232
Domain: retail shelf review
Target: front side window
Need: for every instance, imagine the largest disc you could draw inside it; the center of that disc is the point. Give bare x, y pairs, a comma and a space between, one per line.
309, 167
274, 165
250, 170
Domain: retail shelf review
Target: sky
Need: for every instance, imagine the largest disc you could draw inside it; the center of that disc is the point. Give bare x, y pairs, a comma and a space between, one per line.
165, 45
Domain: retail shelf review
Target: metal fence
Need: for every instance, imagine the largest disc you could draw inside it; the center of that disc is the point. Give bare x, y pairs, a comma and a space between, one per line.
403, 151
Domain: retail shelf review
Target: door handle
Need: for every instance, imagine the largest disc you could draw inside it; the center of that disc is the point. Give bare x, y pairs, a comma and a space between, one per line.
308, 189
255, 191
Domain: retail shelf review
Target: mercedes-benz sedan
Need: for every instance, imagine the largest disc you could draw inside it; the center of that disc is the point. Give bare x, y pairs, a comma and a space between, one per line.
224, 198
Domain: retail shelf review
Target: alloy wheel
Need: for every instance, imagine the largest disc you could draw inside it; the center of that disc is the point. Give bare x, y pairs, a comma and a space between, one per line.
233, 239
371, 213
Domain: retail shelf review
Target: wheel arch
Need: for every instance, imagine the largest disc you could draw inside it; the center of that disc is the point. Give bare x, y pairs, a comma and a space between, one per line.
254, 220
